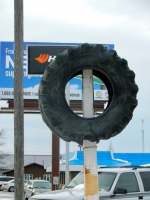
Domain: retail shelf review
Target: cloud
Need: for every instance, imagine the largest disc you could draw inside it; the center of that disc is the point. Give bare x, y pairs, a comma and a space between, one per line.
125, 23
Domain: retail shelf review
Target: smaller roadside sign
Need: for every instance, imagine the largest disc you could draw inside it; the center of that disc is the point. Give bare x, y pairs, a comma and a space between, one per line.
40, 56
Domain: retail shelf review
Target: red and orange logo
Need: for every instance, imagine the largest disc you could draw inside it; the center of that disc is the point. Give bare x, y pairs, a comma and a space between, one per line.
42, 58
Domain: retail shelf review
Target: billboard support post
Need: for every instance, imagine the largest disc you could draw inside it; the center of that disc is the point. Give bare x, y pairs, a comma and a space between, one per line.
55, 158
90, 148
67, 143
18, 101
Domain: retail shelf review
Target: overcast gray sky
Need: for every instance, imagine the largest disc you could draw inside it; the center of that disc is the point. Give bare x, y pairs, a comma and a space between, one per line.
125, 23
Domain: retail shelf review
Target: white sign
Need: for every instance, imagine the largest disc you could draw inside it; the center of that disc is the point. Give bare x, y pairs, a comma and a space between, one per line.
32, 93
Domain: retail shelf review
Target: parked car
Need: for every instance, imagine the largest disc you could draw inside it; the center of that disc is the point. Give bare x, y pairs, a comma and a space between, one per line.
9, 185
33, 187
114, 183
5, 179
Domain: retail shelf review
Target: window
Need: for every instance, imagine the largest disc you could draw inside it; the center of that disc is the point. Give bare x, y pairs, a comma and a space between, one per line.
145, 176
79, 179
28, 176
128, 181
62, 178
41, 184
6, 179
105, 180
47, 177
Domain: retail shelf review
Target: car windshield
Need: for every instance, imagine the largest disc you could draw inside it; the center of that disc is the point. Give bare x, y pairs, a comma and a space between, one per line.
41, 184
105, 180
6, 179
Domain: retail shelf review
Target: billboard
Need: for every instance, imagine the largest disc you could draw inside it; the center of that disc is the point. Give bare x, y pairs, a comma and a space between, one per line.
31, 81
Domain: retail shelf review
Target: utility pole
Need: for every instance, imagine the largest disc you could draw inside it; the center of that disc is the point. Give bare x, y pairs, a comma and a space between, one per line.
18, 101
143, 150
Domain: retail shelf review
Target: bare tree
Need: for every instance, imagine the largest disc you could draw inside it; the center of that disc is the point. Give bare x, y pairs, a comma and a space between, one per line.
3, 153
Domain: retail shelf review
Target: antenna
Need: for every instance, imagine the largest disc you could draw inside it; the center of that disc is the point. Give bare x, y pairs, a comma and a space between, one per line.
142, 131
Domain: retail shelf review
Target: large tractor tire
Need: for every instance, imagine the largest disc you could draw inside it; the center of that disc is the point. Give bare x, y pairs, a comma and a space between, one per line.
107, 66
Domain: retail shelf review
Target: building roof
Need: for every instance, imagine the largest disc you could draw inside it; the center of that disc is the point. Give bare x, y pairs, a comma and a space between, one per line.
110, 159
28, 159
136, 159
76, 160
31, 164
104, 158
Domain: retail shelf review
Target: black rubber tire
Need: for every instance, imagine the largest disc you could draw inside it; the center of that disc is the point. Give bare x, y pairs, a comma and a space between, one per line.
11, 189
112, 70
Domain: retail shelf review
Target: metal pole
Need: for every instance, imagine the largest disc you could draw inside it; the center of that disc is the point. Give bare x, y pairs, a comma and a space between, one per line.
91, 191
143, 136
18, 101
67, 165
67, 143
55, 158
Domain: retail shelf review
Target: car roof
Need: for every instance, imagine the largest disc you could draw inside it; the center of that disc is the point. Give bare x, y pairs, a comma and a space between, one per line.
11, 180
123, 169
37, 180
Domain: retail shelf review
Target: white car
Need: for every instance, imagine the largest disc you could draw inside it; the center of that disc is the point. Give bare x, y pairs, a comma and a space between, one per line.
9, 185
36, 186
5, 179
114, 183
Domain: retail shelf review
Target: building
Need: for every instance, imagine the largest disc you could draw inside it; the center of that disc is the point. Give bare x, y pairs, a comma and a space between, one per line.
39, 166
104, 159
33, 166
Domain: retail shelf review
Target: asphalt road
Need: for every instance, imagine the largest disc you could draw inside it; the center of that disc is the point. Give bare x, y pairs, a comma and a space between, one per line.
4, 195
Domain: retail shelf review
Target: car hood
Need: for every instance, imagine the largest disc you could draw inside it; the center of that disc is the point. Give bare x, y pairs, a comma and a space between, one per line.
71, 194
41, 190
61, 194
